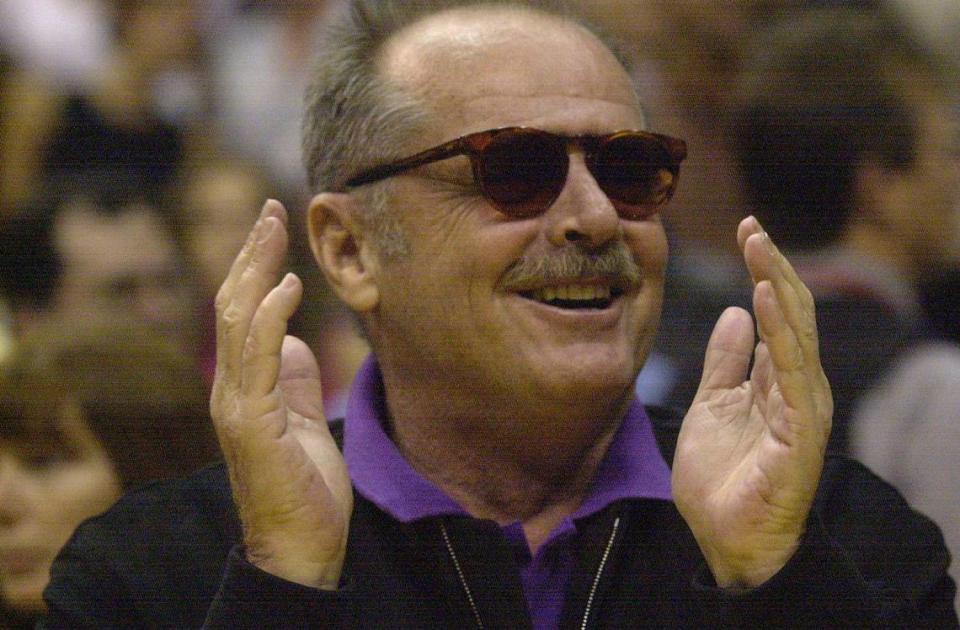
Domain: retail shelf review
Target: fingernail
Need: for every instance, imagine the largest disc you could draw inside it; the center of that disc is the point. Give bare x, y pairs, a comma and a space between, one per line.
768, 242
265, 210
289, 281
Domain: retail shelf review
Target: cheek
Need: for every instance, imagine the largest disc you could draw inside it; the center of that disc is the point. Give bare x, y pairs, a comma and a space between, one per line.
79, 490
648, 242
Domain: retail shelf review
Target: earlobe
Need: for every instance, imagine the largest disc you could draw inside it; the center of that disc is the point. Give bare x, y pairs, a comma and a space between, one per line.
342, 251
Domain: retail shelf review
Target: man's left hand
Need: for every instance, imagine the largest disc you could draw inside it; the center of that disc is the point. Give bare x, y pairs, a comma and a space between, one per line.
751, 448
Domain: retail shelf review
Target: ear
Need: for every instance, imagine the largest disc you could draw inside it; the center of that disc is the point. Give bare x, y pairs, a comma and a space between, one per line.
345, 256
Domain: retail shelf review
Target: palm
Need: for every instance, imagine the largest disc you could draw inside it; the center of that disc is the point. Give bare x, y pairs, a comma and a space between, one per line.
299, 489
750, 450
288, 478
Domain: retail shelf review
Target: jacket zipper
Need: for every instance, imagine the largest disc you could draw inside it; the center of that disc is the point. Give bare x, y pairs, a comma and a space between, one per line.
593, 588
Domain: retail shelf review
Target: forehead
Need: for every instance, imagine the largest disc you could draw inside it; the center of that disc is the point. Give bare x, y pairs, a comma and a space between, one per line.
493, 67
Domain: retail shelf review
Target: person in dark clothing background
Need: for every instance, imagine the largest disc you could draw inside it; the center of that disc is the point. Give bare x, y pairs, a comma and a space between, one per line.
847, 131
88, 409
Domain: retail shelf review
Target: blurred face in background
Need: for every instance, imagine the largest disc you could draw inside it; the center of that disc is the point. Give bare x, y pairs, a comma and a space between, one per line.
122, 265
47, 488
936, 177
922, 201
221, 202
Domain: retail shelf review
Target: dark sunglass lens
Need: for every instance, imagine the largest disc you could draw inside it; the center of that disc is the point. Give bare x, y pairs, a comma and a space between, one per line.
635, 171
523, 172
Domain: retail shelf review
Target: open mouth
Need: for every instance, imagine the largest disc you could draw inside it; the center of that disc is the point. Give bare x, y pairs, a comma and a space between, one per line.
575, 296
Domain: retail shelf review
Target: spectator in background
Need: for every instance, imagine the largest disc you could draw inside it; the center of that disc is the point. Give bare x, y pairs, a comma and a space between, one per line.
687, 55
216, 196
215, 212
260, 62
846, 133
938, 23
216, 201
98, 248
87, 411
134, 117
6, 319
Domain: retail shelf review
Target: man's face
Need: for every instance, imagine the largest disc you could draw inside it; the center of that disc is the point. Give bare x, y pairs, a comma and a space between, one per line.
123, 265
447, 317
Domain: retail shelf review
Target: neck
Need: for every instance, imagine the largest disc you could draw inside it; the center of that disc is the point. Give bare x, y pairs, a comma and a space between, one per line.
508, 467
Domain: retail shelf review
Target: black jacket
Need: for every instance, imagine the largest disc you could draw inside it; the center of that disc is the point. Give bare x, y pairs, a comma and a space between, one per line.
170, 556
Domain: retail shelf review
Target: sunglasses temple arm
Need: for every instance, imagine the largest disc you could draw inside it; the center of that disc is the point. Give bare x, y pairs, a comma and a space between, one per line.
377, 173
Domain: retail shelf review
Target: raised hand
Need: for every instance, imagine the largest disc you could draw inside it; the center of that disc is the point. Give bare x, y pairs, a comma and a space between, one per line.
288, 478
750, 450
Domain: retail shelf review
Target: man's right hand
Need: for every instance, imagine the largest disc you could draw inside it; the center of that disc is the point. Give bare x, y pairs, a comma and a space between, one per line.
288, 478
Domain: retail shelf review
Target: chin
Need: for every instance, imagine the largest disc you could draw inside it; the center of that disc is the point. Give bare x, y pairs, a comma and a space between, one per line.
595, 383
27, 601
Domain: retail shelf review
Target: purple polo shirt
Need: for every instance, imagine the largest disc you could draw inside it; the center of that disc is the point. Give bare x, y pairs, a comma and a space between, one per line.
632, 469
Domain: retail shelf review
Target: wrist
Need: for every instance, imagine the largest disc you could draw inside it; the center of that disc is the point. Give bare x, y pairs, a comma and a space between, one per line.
323, 575
750, 568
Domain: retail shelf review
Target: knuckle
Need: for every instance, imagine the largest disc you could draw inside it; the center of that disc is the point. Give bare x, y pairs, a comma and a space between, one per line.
795, 359
251, 346
233, 318
808, 332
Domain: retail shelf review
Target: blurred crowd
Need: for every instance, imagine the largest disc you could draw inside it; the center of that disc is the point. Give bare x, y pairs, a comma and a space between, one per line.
139, 138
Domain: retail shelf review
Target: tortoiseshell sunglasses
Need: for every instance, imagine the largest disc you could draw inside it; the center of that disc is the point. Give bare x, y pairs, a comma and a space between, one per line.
522, 170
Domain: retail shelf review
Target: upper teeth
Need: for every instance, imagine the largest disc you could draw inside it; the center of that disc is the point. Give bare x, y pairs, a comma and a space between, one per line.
572, 292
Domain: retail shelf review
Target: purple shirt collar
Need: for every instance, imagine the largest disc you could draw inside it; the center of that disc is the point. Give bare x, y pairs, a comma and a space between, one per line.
633, 468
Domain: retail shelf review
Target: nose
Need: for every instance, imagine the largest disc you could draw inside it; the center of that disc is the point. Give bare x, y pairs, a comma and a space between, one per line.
582, 214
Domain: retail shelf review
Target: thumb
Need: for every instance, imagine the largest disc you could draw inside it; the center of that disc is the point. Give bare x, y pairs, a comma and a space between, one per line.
728, 352
299, 379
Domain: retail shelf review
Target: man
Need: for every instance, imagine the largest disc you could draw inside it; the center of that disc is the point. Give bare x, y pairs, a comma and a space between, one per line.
496, 471
98, 248
850, 141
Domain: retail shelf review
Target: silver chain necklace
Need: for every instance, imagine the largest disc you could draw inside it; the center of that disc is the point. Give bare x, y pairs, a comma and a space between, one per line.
593, 589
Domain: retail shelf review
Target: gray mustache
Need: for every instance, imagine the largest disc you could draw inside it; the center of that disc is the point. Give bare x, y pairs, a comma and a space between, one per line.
614, 263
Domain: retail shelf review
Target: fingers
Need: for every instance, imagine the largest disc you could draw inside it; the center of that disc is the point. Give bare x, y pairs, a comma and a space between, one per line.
261, 353
765, 262
251, 277
728, 351
786, 320
300, 379
795, 373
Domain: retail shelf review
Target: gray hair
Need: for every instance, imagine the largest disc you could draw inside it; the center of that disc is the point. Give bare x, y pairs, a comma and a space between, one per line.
354, 118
